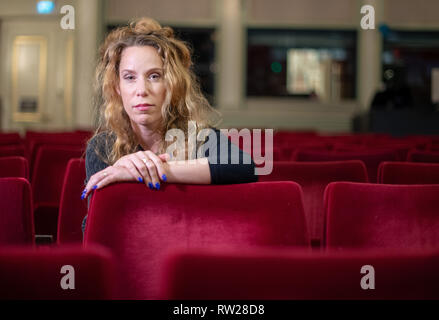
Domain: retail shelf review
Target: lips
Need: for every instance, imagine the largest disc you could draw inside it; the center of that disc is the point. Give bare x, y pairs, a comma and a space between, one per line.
143, 106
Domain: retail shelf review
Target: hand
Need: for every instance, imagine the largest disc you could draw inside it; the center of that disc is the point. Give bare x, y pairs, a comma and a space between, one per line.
145, 166
105, 177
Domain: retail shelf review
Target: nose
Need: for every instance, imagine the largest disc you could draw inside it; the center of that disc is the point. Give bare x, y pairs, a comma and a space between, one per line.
141, 88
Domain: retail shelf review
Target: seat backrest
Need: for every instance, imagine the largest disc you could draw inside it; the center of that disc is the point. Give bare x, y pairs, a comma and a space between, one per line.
14, 166
292, 274
34, 140
16, 222
371, 158
56, 273
50, 167
9, 150
72, 209
313, 177
408, 173
10, 138
423, 156
376, 215
47, 182
138, 224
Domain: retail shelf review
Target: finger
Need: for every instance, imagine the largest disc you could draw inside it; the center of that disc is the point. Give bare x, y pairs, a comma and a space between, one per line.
144, 168
111, 178
143, 175
152, 169
164, 157
135, 168
93, 182
159, 165
104, 182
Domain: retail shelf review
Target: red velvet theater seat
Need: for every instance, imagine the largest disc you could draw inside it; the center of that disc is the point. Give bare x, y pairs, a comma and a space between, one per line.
7, 138
72, 209
423, 156
139, 224
37, 273
313, 177
371, 158
34, 140
408, 173
14, 167
364, 215
12, 150
288, 275
16, 218
47, 181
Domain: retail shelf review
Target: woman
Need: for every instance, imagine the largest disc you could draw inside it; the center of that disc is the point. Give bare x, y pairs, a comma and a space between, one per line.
148, 90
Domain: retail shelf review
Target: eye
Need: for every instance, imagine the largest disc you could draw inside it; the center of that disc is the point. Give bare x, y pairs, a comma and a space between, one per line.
129, 77
154, 76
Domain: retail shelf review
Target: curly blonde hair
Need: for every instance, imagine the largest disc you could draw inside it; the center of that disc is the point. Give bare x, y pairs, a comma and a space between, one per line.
184, 101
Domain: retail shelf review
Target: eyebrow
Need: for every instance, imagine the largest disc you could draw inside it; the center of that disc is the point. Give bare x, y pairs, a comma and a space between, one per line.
148, 71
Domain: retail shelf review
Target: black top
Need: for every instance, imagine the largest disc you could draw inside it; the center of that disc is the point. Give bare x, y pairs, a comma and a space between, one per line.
235, 166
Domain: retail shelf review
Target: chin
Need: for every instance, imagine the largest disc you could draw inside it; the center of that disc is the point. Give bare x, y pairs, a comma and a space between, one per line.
145, 120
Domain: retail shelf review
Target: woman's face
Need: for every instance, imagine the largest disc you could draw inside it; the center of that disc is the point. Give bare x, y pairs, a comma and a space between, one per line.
141, 85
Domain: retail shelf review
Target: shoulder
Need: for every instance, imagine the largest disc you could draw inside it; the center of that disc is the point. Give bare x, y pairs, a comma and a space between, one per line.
101, 142
99, 146
101, 138
96, 155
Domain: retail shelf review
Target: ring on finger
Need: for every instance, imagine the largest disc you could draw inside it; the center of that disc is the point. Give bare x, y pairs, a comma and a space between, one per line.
104, 174
147, 162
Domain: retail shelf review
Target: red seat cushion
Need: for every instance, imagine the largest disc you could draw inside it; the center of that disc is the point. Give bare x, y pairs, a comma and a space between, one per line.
14, 167
16, 218
371, 158
377, 215
292, 274
408, 173
313, 177
37, 273
423, 156
47, 181
72, 209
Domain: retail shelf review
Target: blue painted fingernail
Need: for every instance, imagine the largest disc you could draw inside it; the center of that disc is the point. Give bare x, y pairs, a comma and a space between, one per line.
150, 185
140, 179
164, 177
157, 186
84, 191
82, 196
94, 187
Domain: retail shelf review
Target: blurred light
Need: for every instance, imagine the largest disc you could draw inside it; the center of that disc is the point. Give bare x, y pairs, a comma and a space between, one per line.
45, 7
276, 67
388, 74
388, 57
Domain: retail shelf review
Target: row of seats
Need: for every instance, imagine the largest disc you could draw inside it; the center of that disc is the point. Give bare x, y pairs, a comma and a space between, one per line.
223, 273
313, 177
291, 274
370, 202
253, 239
139, 231
371, 158
47, 154
65, 217
286, 146
139, 227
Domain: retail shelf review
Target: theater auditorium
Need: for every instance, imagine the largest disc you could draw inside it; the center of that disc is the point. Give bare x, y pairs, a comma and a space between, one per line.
219, 150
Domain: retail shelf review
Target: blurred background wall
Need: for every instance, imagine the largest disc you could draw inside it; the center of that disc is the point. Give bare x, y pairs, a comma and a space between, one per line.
290, 64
